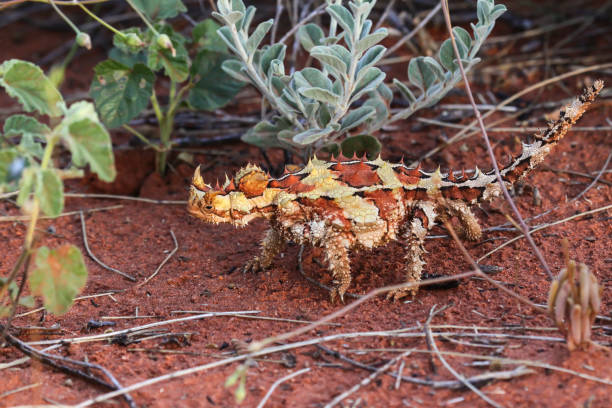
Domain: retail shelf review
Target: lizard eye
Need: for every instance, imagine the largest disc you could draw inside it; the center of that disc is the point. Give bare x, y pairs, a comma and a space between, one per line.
209, 207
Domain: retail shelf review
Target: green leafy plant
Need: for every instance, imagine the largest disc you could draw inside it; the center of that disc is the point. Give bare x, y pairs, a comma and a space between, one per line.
125, 84
27, 163
318, 106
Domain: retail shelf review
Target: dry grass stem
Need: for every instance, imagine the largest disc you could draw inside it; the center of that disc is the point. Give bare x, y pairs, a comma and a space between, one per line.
92, 256
161, 265
456, 374
278, 382
13, 218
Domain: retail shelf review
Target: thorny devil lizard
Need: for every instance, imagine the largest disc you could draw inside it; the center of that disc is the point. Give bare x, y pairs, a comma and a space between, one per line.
352, 203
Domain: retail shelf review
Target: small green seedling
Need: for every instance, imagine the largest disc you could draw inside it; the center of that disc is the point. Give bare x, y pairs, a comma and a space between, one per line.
143, 62
27, 164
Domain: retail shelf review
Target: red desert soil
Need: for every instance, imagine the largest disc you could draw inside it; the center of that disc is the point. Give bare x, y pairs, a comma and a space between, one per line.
205, 275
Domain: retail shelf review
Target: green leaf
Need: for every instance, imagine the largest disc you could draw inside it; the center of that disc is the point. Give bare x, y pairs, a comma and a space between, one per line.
371, 57
29, 147
127, 59
342, 16
160, 9
205, 35
447, 54
462, 36
420, 73
405, 91
312, 77
49, 190
370, 40
320, 94
360, 145
26, 185
28, 83
265, 133
381, 111
88, 140
175, 66
435, 67
258, 35
226, 35
22, 124
232, 17
326, 56
247, 19
311, 135
342, 53
310, 35
497, 11
7, 156
213, 88
368, 82
274, 52
58, 276
356, 117
30, 130
234, 69
120, 93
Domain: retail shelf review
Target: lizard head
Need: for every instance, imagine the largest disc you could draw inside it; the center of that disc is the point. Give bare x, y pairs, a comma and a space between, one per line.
237, 202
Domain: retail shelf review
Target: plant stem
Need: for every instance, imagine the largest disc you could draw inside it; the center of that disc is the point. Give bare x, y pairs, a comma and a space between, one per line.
99, 20
142, 16
141, 137
64, 17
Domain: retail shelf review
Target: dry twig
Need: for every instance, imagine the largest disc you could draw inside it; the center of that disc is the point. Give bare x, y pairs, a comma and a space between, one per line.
92, 256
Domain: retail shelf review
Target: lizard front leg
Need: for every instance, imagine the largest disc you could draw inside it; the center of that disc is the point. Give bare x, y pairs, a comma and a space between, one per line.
336, 251
412, 237
271, 245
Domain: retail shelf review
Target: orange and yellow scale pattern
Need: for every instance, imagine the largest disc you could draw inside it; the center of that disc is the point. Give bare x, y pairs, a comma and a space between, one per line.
358, 203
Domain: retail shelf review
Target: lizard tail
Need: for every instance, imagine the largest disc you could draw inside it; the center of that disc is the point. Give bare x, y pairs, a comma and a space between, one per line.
534, 153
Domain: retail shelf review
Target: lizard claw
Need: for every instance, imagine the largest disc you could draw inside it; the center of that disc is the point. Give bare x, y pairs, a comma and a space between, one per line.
396, 295
254, 265
336, 293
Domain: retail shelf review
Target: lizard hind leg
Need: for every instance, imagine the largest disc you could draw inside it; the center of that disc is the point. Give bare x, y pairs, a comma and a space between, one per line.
469, 226
271, 245
336, 251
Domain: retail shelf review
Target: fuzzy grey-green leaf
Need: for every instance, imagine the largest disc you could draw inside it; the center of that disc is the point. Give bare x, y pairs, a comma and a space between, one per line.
312, 77
234, 69
22, 124
320, 94
310, 35
49, 190
370, 40
420, 74
370, 58
356, 117
368, 82
258, 35
28, 83
342, 16
312, 135
274, 52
